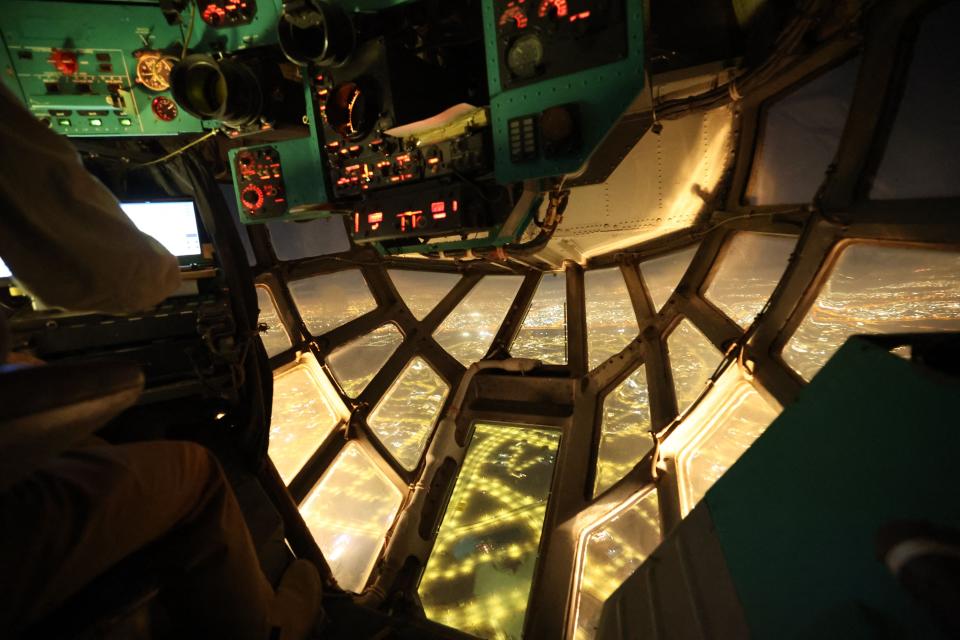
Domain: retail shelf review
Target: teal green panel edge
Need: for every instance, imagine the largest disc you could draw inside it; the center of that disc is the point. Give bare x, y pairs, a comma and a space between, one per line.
871, 439
603, 93
304, 178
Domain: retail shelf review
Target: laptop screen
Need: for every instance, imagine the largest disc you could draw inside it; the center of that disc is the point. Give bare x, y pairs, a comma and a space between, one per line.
172, 223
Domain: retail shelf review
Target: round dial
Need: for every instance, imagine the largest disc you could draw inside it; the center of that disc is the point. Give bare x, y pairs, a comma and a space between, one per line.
525, 56
252, 197
164, 108
513, 13
553, 8
351, 110
153, 70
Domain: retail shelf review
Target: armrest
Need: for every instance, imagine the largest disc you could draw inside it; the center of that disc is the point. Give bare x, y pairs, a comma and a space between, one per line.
46, 410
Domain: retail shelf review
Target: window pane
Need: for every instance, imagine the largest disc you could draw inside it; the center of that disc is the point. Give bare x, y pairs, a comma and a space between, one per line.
356, 363
877, 289
663, 274
349, 513
801, 132
750, 268
613, 549
422, 290
404, 418
304, 415
328, 301
723, 440
469, 330
296, 240
693, 359
544, 332
611, 322
920, 160
479, 574
625, 431
275, 338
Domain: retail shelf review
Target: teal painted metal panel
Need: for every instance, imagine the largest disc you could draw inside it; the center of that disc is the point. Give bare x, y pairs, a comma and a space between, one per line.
31, 28
304, 176
873, 438
603, 95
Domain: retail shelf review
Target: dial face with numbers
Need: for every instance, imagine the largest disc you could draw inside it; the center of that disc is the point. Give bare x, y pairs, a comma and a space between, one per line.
164, 108
153, 70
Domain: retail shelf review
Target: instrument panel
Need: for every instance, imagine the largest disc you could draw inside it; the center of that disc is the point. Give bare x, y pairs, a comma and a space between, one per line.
542, 39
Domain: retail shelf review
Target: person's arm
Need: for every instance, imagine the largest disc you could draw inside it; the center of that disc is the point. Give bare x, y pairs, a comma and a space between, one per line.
62, 232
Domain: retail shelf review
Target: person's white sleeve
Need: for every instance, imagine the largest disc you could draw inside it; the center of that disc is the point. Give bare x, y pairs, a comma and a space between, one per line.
62, 232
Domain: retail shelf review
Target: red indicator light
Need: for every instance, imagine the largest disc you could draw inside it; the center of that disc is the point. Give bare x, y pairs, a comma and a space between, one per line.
583, 15
354, 148
404, 158
352, 168
333, 145
437, 206
433, 161
455, 205
440, 215
374, 218
559, 6
356, 222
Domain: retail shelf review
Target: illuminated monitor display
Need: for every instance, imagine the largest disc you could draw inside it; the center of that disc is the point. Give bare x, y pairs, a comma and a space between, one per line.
172, 223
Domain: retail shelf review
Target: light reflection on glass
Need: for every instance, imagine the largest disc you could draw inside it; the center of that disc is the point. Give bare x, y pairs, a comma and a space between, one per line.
404, 418
750, 268
303, 415
877, 289
469, 330
275, 339
625, 430
663, 274
612, 550
715, 434
479, 575
349, 513
356, 363
543, 335
328, 301
611, 321
693, 359
422, 290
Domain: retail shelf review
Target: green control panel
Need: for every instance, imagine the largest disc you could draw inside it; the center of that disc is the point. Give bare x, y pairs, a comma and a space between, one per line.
96, 69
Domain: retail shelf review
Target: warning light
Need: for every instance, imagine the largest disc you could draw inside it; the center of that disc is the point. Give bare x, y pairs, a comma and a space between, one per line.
374, 218
455, 205
559, 10
437, 206
356, 222
583, 15
440, 215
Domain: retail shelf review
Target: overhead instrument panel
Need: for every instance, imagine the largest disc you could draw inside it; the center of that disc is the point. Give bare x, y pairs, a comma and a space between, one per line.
542, 39
99, 69
561, 73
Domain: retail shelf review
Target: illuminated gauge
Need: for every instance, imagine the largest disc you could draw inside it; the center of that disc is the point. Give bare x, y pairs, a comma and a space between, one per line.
514, 13
252, 197
351, 110
553, 8
525, 56
153, 70
164, 108
214, 15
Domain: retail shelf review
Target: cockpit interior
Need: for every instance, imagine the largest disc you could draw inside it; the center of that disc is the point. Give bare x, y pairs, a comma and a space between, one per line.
517, 319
